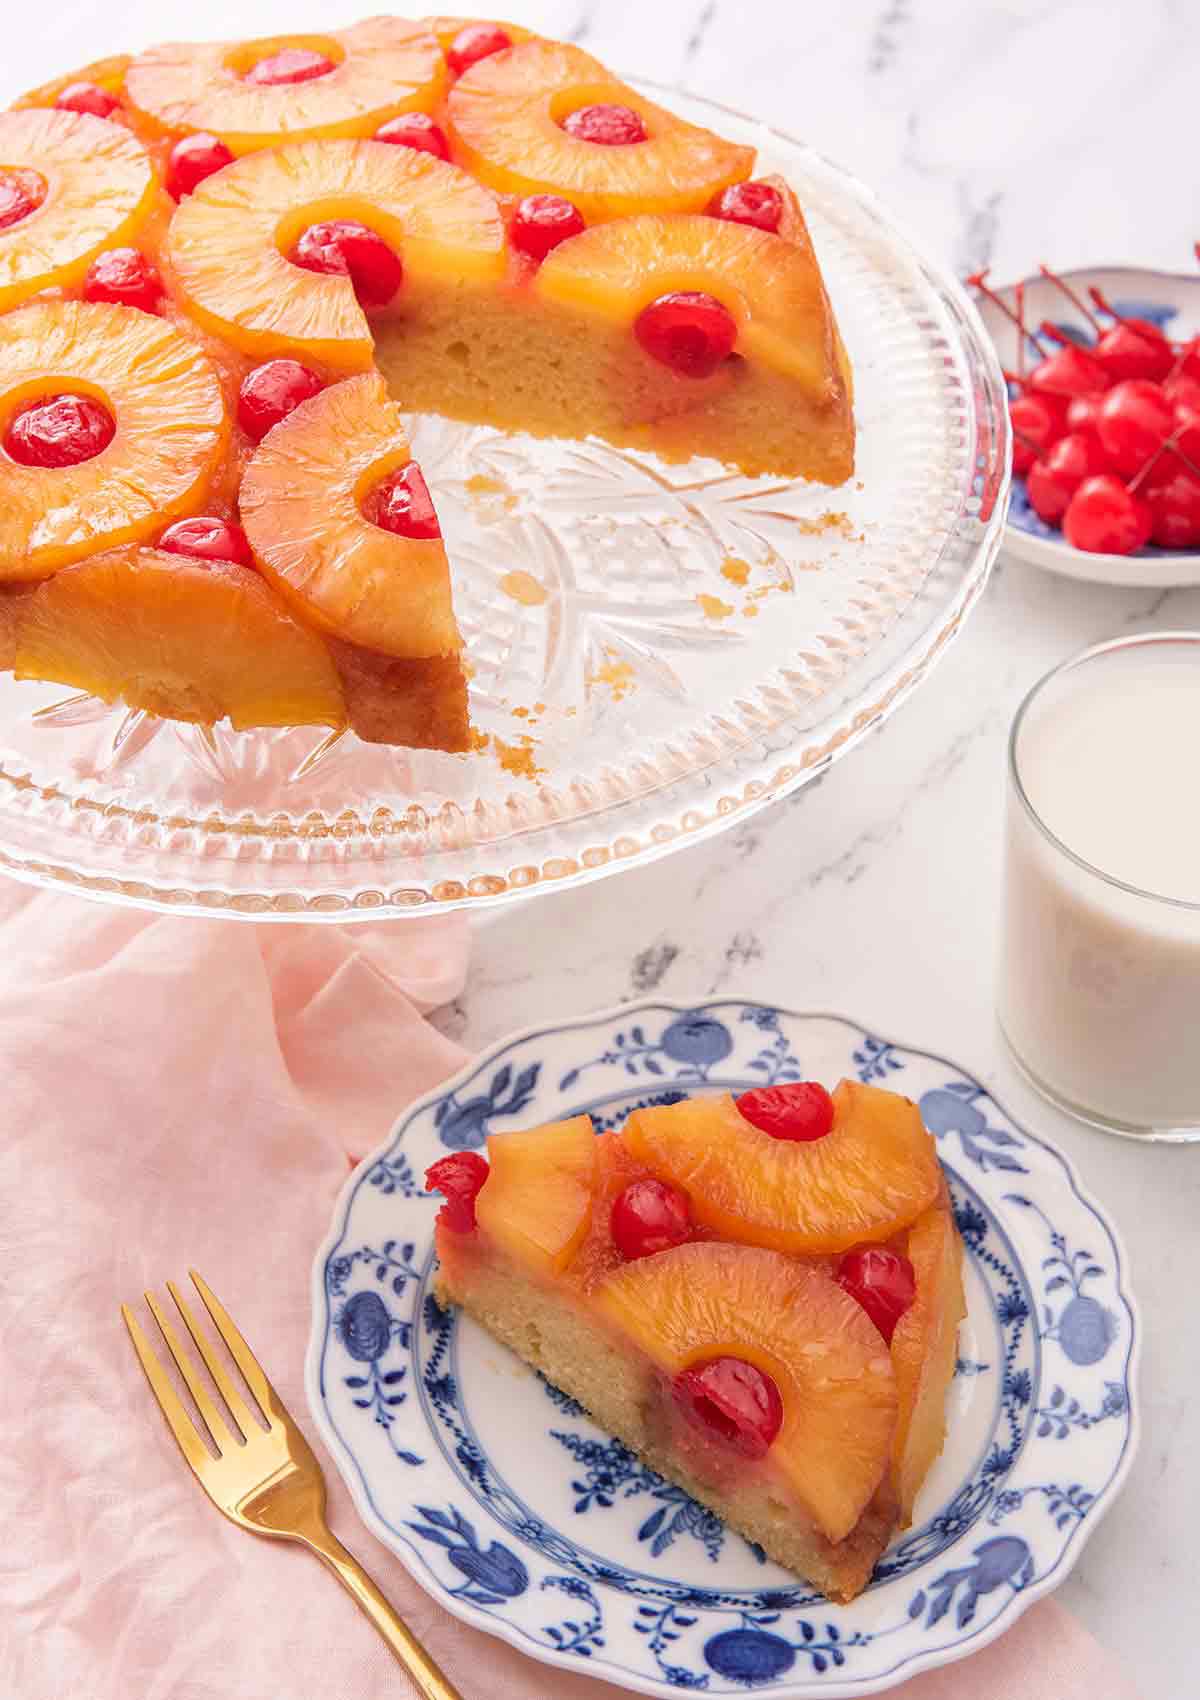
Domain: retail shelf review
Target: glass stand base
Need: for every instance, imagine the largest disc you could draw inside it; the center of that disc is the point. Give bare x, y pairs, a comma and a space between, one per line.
1187, 1133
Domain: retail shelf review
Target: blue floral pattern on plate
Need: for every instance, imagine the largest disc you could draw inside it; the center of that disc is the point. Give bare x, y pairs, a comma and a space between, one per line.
520, 1515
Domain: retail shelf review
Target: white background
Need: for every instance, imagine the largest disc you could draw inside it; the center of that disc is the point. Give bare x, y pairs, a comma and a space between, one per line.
1003, 134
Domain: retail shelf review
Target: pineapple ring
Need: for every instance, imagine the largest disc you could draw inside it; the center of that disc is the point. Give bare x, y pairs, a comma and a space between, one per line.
382, 67
618, 268
227, 243
100, 186
791, 1320
301, 508
505, 114
188, 640
165, 397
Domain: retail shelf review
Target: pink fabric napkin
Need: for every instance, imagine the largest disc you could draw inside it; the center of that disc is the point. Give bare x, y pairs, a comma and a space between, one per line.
182, 1092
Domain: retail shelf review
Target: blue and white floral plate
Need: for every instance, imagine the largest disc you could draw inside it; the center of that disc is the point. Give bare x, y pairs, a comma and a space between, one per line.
1169, 299
526, 1520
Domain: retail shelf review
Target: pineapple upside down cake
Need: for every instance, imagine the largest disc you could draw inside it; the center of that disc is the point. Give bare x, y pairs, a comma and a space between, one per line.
760, 1296
224, 268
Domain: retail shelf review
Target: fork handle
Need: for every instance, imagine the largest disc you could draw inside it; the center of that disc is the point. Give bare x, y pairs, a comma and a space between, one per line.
430, 1682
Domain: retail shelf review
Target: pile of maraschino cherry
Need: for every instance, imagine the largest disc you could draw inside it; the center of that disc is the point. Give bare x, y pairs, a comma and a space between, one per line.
1106, 434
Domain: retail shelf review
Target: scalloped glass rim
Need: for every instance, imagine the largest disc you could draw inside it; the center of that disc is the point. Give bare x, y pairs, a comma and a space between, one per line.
228, 850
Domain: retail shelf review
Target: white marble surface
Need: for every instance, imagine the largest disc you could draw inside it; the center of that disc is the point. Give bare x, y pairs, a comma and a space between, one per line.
1003, 133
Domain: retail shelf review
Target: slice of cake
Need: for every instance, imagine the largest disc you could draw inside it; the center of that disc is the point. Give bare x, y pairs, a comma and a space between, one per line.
761, 1297
224, 266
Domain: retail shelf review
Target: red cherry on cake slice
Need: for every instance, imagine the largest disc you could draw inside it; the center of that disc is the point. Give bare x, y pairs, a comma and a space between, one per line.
402, 504
21, 193
415, 130
1104, 518
290, 65
58, 431
883, 1283
541, 222
1054, 479
475, 42
208, 539
192, 159
687, 330
758, 204
1133, 422
650, 1216
124, 277
802, 1110
87, 97
459, 1178
345, 249
733, 1400
270, 392
608, 125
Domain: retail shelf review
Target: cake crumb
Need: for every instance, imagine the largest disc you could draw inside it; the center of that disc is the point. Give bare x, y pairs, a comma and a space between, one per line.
735, 569
483, 484
838, 523
517, 758
524, 588
714, 608
617, 675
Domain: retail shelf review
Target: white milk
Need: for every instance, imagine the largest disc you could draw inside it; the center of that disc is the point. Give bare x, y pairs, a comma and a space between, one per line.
1100, 986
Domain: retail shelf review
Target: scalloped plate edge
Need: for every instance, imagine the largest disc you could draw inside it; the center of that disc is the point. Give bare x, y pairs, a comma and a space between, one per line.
414, 1562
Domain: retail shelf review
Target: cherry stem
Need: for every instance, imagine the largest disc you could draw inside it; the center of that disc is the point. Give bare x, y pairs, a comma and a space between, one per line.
1171, 443
978, 280
1020, 295
1106, 306
1050, 329
1072, 297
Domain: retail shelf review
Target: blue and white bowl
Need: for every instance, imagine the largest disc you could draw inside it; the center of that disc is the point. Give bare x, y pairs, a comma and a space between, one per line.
1168, 299
526, 1520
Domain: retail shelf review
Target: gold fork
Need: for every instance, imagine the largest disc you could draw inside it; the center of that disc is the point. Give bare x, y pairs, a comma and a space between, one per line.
264, 1479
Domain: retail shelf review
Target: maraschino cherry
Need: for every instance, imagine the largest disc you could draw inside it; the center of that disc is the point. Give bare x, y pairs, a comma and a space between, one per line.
401, 504
687, 330
650, 1216
1035, 425
801, 1110
192, 159
608, 125
1105, 518
475, 42
882, 1281
207, 539
58, 431
1175, 510
459, 1178
21, 193
541, 222
346, 249
415, 130
290, 65
734, 1400
1054, 479
270, 392
87, 97
758, 204
125, 277
1133, 422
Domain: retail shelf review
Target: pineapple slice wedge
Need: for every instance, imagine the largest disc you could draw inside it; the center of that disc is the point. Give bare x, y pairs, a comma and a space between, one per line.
301, 506
505, 115
382, 67
227, 243
171, 431
185, 639
99, 188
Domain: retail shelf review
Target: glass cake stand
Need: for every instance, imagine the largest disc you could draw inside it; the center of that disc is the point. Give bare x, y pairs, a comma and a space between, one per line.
655, 651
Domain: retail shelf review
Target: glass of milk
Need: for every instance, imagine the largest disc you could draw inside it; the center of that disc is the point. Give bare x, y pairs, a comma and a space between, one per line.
1100, 970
